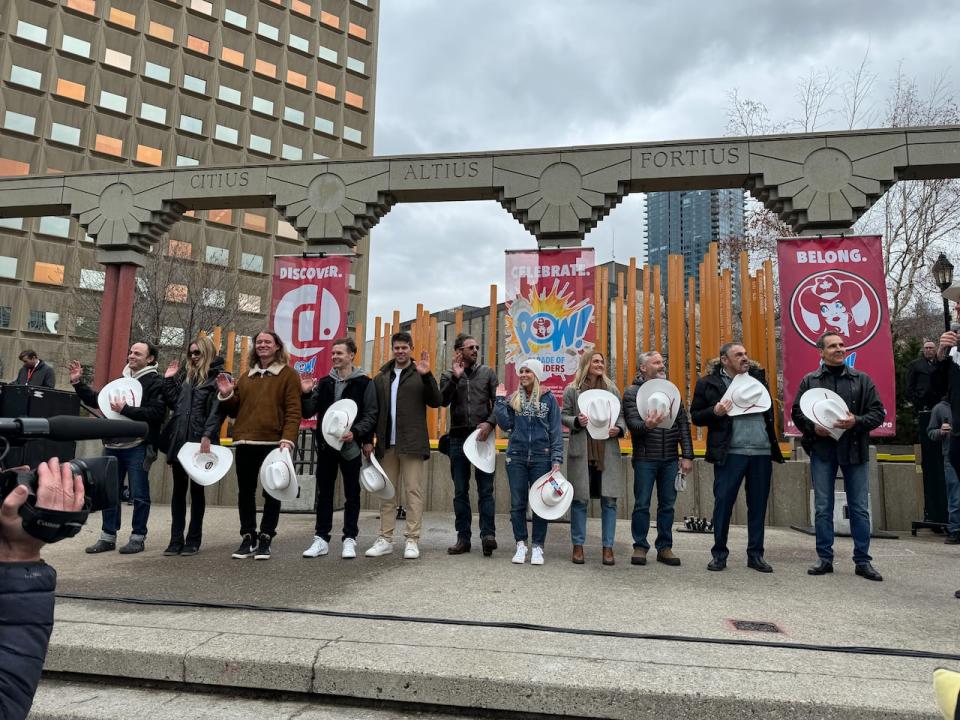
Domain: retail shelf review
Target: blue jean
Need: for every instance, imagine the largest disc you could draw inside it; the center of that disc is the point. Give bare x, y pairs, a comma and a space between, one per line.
129, 465
856, 483
608, 521
757, 469
953, 497
522, 473
460, 468
646, 474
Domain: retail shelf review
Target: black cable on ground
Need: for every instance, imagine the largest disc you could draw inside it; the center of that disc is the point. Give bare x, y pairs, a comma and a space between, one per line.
843, 649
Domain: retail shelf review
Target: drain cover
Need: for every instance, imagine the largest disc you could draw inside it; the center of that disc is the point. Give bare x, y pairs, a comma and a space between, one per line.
755, 626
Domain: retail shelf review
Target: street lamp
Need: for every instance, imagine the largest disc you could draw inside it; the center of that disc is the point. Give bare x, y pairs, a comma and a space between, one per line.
943, 277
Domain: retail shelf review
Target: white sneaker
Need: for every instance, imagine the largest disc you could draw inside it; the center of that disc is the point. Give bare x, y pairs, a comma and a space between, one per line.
381, 547
536, 557
520, 556
349, 549
319, 547
411, 551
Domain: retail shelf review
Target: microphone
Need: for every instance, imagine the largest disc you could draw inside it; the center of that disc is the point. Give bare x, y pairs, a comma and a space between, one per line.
69, 427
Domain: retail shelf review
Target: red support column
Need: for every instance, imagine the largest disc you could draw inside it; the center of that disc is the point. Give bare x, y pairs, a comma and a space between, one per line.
105, 331
123, 314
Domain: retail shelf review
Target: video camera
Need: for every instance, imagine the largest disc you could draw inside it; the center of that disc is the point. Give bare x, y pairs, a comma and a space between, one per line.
99, 474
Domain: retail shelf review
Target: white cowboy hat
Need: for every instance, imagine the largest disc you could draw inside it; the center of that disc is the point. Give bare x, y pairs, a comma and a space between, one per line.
748, 395
824, 407
373, 479
205, 468
550, 495
483, 455
337, 420
128, 389
602, 409
535, 366
278, 476
660, 396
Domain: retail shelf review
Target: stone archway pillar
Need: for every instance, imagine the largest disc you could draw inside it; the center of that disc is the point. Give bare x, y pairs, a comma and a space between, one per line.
113, 335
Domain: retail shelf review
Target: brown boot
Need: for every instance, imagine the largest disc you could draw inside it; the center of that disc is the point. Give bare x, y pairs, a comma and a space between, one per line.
608, 556
639, 556
577, 555
667, 557
460, 548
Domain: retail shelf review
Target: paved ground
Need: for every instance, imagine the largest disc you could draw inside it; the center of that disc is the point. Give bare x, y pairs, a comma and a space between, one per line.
514, 668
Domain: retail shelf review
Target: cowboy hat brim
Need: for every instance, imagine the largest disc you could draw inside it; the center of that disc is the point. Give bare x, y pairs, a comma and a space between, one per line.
744, 379
486, 462
648, 388
346, 406
809, 400
370, 464
293, 489
129, 388
187, 455
549, 512
588, 397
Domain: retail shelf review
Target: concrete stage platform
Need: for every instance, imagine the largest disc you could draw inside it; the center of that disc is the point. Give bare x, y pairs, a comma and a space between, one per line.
445, 636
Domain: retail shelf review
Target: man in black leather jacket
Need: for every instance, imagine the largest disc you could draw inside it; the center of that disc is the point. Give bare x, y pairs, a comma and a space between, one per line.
655, 460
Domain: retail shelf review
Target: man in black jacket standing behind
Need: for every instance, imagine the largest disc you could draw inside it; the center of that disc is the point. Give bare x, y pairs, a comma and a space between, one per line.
849, 453
744, 446
345, 382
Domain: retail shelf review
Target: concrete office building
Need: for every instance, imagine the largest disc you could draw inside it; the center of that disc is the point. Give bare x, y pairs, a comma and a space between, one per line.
685, 223
101, 84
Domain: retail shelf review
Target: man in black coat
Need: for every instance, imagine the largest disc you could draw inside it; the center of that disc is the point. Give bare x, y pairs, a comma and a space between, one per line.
35, 371
743, 446
923, 393
850, 453
345, 382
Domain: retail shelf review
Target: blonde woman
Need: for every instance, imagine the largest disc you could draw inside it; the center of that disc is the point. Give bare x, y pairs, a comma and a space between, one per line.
594, 467
266, 405
532, 417
191, 395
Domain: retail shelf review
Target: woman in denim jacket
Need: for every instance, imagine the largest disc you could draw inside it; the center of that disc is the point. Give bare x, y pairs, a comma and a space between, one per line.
532, 417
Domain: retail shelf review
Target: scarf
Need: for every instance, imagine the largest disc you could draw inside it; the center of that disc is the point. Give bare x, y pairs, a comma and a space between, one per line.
595, 448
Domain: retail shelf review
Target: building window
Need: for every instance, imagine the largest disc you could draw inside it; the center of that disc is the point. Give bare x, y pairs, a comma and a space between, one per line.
176, 293
55, 226
156, 71
119, 17
254, 221
5, 314
286, 230
357, 31
13, 167
217, 255
230, 95
160, 31
117, 59
18, 122
191, 124
153, 113
224, 216
72, 90
289, 152
172, 336
214, 298
352, 134
179, 249
291, 114
229, 55
109, 101
86, 326
319, 156
15, 223
75, 46
298, 43
108, 145
92, 279
329, 19
325, 53
232, 17
202, 6
353, 100
251, 262
323, 125
149, 155
357, 66
65, 134
198, 45
262, 67
249, 303
262, 105
8, 266
296, 79
43, 321
33, 33
326, 90
303, 8
195, 84
184, 161
261, 144
227, 134
268, 31
49, 273
85, 6
26, 77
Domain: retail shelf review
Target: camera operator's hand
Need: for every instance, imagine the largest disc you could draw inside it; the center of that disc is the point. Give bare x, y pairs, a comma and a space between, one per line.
57, 489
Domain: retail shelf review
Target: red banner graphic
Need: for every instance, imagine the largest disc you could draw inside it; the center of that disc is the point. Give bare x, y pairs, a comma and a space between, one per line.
550, 313
836, 285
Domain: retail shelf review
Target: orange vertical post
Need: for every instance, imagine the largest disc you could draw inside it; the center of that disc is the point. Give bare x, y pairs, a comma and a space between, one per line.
396, 320
431, 343
217, 338
632, 319
756, 318
492, 329
645, 310
746, 305
458, 322
657, 311
244, 354
361, 341
377, 344
726, 307
387, 331
771, 339
675, 339
691, 338
229, 351
621, 346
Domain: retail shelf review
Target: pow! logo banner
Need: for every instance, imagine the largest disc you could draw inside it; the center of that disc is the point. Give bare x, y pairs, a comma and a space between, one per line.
835, 285
550, 312
309, 310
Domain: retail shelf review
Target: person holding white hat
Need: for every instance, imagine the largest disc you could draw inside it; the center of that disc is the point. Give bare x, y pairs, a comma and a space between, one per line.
741, 444
592, 413
344, 383
266, 404
191, 395
133, 456
535, 448
662, 442
470, 390
853, 410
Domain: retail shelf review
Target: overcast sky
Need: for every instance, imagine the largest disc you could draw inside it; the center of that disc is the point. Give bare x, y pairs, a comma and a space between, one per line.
473, 75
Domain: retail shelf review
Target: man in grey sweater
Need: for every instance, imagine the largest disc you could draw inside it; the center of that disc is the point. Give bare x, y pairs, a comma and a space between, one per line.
941, 425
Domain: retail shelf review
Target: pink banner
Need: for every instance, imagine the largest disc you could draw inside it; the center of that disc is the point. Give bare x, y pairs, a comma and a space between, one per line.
309, 310
550, 312
835, 284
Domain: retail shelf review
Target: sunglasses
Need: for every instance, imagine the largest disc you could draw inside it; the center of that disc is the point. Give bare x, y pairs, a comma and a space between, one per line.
194, 353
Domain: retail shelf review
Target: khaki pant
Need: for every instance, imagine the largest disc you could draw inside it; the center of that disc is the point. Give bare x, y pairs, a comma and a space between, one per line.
404, 471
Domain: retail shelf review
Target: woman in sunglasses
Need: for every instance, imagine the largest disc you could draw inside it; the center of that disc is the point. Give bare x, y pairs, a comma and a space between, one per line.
191, 395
